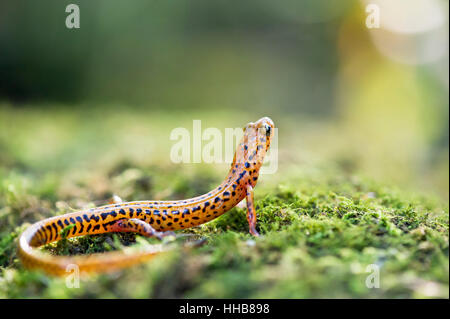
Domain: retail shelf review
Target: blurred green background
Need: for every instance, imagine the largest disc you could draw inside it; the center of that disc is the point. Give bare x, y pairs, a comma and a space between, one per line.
87, 113
372, 100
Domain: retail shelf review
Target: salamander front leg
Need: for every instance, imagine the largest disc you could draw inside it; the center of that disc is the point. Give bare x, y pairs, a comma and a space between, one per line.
135, 225
251, 212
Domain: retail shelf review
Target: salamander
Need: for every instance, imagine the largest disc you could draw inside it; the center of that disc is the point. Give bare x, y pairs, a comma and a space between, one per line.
150, 218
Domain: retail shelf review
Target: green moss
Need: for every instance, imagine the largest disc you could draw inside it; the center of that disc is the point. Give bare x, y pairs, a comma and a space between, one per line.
314, 243
321, 228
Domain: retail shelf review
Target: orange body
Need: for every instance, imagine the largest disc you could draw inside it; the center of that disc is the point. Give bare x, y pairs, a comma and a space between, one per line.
150, 217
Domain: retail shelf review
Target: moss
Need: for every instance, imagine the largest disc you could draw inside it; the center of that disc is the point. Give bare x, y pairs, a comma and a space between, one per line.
315, 243
321, 230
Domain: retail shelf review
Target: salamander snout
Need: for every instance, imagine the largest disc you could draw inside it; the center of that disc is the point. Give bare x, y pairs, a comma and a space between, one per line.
266, 124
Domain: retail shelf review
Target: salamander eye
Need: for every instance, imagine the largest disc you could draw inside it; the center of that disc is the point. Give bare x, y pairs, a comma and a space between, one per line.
268, 130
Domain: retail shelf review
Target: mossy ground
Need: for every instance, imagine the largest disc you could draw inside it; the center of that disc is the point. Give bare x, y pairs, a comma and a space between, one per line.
322, 226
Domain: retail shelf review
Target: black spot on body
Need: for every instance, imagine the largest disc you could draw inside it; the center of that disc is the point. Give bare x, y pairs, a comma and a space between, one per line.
49, 228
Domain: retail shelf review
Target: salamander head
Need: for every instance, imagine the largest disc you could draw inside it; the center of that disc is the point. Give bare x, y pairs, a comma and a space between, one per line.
260, 133
254, 146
